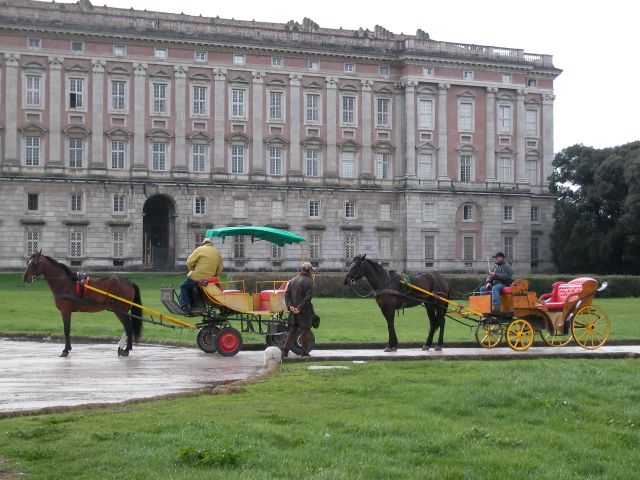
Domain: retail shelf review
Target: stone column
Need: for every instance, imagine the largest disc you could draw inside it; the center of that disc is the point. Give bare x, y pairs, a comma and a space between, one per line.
490, 141
520, 136
410, 130
295, 124
98, 166
258, 123
139, 160
547, 137
331, 171
180, 165
443, 173
399, 138
367, 123
11, 63
56, 96
219, 121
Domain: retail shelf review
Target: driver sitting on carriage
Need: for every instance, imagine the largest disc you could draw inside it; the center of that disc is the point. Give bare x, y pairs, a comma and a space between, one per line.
204, 262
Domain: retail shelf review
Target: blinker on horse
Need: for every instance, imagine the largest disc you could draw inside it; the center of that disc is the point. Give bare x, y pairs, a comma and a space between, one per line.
63, 284
390, 296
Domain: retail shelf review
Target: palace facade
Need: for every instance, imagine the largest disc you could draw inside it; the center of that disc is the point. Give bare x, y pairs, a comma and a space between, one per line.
125, 134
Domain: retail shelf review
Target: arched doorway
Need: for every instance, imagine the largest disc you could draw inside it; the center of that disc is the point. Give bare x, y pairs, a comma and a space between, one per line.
159, 233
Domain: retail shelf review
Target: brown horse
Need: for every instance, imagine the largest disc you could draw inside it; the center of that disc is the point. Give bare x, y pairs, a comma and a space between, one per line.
391, 295
70, 297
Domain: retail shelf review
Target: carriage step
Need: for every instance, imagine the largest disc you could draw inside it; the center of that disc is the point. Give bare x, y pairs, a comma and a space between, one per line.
167, 297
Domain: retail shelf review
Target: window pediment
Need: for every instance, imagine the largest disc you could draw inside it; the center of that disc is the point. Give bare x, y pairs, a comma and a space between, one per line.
201, 77
76, 131
238, 138
505, 151
33, 129
348, 87
276, 141
77, 68
466, 94
276, 82
159, 134
32, 66
383, 145
313, 142
426, 146
532, 152
199, 137
504, 96
425, 90
313, 84
467, 148
119, 71
118, 133
384, 89
160, 74
238, 79
349, 145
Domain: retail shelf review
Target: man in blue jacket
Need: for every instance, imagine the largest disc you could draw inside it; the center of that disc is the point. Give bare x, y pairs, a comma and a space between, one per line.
500, 277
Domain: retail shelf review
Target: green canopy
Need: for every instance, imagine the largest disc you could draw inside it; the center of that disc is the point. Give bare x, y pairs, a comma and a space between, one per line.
273, 235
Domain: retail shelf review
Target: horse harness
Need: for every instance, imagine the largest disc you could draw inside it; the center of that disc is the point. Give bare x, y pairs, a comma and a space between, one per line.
79, 289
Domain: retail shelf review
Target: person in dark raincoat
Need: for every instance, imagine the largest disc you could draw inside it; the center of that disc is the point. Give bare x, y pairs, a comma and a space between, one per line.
298, 302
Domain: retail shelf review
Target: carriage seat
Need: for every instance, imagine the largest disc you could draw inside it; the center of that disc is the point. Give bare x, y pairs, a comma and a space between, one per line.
505, 291
265, 295
563, 291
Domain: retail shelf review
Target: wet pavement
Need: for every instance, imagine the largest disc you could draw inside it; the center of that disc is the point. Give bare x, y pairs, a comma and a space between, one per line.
33, 377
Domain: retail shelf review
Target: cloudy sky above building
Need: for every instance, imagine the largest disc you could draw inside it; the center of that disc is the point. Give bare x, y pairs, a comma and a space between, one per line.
595, 43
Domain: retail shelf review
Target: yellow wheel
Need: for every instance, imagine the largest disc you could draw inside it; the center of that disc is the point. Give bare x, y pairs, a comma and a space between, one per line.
489, 335
520, 334
591, 327
558, 339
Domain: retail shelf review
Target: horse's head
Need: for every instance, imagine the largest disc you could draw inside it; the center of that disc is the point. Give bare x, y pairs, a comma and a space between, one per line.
34, 267
356, 270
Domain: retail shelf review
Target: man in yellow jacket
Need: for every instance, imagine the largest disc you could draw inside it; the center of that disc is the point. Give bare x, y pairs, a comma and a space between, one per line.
204, 262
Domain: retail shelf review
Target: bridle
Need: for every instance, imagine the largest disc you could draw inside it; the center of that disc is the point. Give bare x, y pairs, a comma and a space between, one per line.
32, 265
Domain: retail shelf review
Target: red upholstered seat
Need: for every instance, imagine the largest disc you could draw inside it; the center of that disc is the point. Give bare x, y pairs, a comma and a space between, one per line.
562, 291
232, 291
212, 280
505, 291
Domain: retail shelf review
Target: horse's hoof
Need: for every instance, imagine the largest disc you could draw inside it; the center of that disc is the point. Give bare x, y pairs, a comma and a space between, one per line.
64, 354
425, 348
438, 349
122, 352
391, 349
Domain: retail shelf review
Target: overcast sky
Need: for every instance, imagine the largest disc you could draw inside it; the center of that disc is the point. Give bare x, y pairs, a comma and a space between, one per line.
595, 43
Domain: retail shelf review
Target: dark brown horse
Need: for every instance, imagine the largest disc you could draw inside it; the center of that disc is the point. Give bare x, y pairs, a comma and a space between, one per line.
70, 298
391, 295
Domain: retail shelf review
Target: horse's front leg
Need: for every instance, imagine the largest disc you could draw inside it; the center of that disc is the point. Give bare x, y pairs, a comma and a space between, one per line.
125, 319
433, 324
441, 312
66, 321
390, 317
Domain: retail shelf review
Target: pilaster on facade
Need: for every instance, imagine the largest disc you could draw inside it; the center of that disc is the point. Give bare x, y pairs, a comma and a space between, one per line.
443, 174
367, 120
139, 160
547, 138
55, 113
11, 64
258, 171
410, 168
295, 172
490, 128
98, 166
220, 78
180, 76
331, 173
520, 136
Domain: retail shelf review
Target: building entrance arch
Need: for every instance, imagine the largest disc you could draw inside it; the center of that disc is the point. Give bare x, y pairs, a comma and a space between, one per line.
159, 233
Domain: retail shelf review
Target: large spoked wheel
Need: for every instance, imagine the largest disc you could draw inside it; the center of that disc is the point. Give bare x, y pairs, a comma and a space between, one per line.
591, 327
557, 339
297, 347
206, 339
228, 341
489, 335
276, 339
520, 334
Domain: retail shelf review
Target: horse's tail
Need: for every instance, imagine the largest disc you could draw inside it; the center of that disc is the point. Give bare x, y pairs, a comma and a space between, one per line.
136, 315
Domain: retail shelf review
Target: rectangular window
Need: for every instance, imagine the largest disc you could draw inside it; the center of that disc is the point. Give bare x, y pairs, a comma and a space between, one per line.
425, 165
32, 151
275, 161
76, 93
349, 67
161, 53
348, 164
312, 156
384, 247
427, 71
119, 50
535, 251
198, 157
314, 65
77, 46
385, 212
277, 209
159, 158
508, 247
314, 209
507, 78
467, 249
118, 244
33, 241
117, 154
276, 62
275, 105
75, 153
76, 203
468, 213
382, 112
348, 110
33, 43
349, 209
200, 205
237, 158
238, 59
32, 202
159, 98
200, 56
198, 238
465, 116
467, 74
314, 246
425, 114
531, 122
238, 109
531, 172
507, 213
349, 245
382, 165
428, 211
117, 95
504, 118
535, 214
32, 87
383, 70
532, 82
277, 252
429, 248
465, 168
199, 100
312, 107
75, 244
238, 247
239, 208
119, 204
504, 170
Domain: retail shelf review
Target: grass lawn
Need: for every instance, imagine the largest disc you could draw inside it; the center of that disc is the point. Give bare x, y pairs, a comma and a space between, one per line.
532, 419
30, 308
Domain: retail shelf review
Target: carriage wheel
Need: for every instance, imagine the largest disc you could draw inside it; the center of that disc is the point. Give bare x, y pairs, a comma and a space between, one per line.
557, 339
520, 334
297, 348
206, 339
591, 327
228, 341
277, 339
489, 335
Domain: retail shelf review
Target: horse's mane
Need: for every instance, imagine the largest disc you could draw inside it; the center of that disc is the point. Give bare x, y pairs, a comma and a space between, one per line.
62, 266
377, 266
